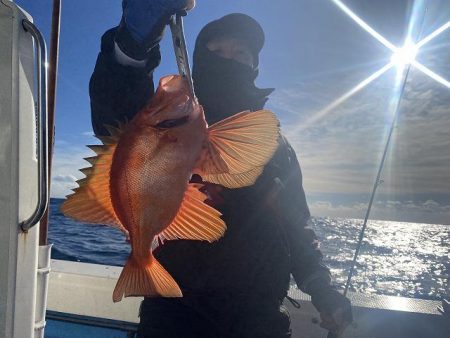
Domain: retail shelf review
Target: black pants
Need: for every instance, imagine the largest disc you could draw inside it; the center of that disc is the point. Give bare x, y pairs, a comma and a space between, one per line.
177, 318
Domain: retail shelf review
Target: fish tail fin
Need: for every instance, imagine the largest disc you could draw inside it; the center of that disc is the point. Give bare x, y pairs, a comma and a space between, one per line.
145, 280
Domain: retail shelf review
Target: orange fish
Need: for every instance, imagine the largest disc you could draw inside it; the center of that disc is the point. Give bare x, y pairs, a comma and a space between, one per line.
139, 180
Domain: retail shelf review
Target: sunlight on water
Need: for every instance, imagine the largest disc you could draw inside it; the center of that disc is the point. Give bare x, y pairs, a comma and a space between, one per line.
396, 258
399, 259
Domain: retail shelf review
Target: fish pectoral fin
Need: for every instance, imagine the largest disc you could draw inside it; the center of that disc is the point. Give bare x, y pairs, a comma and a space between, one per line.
235, 180
91, 201
238, 148
151, 280
195, 220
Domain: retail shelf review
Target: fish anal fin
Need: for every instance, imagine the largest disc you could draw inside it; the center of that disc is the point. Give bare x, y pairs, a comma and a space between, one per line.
238, 145
195, 219
149, 280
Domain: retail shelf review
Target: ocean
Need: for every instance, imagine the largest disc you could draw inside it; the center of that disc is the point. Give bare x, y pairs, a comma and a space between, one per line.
396, 258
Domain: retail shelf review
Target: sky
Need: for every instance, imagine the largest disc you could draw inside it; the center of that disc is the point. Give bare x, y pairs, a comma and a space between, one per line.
314, 55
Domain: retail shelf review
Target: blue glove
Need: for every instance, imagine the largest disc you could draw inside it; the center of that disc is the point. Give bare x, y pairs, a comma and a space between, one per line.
142, 17
143, 23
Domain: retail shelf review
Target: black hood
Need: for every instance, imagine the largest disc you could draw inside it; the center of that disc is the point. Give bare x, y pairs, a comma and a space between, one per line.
224, 86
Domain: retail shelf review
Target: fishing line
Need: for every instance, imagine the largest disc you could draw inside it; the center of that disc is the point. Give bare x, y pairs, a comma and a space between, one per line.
380, 169
378, 181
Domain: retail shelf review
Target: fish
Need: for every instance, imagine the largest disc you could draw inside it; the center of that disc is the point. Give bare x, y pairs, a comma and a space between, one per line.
139, 180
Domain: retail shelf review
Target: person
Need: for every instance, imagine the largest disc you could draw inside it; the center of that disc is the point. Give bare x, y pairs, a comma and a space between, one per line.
233, 287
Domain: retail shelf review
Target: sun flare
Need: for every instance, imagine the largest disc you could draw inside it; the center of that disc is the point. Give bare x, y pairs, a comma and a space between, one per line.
405, 55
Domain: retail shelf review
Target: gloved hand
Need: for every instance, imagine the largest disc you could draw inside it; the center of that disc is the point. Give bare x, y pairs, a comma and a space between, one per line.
335, 309
143, 16
143, 23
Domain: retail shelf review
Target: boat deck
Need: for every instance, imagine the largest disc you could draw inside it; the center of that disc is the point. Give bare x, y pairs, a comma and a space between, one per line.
80, 305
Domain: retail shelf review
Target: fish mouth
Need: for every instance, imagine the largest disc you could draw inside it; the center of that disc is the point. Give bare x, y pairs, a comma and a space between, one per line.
172, 123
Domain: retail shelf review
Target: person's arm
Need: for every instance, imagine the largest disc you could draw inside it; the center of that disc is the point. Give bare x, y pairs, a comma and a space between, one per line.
118, 91
307, 267
122, 81
288, 201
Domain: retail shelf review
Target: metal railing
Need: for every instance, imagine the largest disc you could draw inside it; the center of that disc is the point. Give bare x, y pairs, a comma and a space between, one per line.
42, 135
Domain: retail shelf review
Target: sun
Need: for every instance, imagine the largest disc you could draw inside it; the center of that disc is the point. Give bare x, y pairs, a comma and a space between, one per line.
405, 55
402, 56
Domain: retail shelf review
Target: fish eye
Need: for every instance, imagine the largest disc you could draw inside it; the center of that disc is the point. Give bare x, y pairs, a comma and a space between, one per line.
167, 124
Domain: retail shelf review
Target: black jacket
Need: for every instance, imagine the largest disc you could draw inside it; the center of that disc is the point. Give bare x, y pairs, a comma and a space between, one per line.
267, 237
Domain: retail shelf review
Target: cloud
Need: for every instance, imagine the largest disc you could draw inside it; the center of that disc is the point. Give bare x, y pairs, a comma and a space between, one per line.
61, 185
64, 178
341, 152
428, 211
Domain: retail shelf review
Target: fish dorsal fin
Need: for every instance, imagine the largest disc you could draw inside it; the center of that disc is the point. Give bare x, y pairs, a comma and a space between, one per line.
91, 201
195, 220
239, 147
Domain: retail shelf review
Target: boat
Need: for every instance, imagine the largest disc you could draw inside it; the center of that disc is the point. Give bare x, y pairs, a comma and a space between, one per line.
40, 297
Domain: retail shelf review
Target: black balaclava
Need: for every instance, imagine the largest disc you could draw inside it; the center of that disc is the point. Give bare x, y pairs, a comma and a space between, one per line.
225, 86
